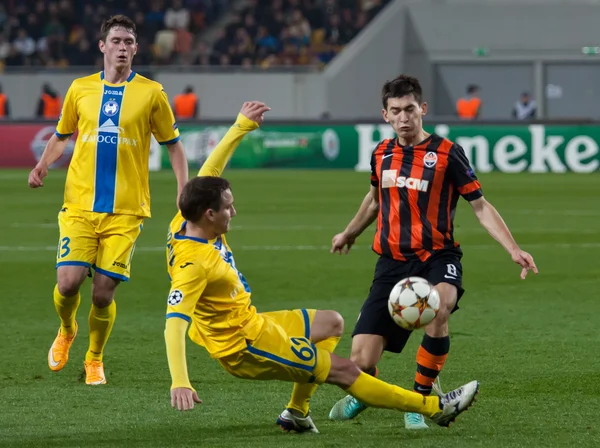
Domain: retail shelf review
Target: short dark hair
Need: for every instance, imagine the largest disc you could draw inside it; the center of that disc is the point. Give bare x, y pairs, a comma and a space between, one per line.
118, 21
201, 194
401, 86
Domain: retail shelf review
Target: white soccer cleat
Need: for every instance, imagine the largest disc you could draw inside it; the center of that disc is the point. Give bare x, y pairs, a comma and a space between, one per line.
456, 402
289, 422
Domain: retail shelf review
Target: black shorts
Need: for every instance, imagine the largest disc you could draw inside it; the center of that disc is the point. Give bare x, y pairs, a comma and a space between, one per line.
374, 317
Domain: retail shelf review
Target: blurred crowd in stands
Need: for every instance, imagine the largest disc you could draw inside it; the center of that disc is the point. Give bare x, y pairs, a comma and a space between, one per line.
262, 33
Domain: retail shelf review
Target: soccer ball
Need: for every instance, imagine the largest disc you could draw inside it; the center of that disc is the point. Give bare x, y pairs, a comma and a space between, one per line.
413, 303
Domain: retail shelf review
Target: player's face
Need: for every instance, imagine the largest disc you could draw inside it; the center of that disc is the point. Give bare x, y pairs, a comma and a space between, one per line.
405, 114
222, 218
119, 48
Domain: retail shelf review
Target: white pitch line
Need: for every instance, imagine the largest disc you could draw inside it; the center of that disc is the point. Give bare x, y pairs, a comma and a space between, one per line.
458, 230
318, 247
560, 212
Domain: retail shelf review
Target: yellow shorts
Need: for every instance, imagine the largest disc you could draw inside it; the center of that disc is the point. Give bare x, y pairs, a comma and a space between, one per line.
103, 241
282, 351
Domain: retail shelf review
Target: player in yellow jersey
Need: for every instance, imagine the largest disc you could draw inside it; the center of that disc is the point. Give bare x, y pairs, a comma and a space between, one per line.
106, 199
210, 295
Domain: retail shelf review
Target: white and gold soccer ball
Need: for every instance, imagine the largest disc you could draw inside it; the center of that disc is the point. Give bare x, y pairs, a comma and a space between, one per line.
413, 303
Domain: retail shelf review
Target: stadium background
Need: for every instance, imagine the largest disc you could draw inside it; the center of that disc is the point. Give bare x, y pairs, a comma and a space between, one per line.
321, 70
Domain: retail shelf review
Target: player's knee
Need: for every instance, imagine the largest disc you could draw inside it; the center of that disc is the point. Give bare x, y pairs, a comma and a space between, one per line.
102, 295
327, 324
68, 287
343, 372
101, 299
103, 290
70, 278
448, 298
336, 322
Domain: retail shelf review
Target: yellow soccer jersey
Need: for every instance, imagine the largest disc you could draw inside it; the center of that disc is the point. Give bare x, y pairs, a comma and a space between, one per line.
208, 291
109, 169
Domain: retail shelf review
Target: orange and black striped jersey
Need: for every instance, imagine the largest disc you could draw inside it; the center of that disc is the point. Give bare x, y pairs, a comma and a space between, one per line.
419, 187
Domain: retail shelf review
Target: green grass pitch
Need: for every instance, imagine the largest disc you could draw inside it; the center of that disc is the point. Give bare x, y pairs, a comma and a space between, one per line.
532, 344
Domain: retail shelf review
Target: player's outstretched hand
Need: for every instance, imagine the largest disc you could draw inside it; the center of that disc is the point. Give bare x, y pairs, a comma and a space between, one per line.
36, 175
255, 111
183, 399
525, 260
341, 243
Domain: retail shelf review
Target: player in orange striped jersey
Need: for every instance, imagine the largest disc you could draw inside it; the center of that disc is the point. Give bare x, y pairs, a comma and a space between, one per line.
416, 181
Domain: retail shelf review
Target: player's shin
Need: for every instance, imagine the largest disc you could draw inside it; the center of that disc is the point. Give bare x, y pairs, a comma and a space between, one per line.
302, 393
376, 393
431, 357
101, 321
66, 307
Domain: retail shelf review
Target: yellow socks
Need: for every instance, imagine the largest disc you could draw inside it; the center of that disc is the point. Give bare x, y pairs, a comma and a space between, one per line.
302, 393
101, 321
376, 393
66, 307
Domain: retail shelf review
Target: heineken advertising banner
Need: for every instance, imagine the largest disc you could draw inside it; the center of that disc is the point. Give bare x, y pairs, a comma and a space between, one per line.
515, 148
532, 148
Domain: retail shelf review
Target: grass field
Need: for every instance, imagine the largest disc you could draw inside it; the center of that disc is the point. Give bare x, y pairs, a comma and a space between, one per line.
532, 344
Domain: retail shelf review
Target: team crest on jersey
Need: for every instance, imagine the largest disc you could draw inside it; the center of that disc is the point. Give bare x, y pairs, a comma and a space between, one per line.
430, 159
175, 297
110, 108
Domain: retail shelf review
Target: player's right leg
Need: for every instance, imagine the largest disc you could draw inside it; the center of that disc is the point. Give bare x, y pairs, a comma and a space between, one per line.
76, 253
366, 353
66, 302
375, 331
373, 392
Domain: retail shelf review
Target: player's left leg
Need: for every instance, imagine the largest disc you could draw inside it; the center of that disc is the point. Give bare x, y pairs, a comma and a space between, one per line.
101, 320
324, 329
118, 234
445, 271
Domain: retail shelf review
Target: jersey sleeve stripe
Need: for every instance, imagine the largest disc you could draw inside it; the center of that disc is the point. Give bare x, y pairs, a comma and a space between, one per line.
469, 188
180, 316
59, 135
170, 142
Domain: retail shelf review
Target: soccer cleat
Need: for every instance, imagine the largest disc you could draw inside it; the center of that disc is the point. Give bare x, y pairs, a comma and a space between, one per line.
289, 422
58, 355
94, 373
455, 402
412, 420
346, 409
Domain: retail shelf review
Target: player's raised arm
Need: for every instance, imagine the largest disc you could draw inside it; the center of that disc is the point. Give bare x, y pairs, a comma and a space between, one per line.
250, 117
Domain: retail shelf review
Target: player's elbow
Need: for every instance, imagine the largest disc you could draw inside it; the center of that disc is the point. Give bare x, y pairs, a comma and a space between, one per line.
481, 208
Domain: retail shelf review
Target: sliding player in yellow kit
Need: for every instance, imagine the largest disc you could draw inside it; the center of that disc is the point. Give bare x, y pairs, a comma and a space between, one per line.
106, 195
212, 297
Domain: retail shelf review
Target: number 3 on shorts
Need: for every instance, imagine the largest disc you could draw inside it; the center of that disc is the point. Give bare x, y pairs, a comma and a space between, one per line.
63, 247
303, 349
